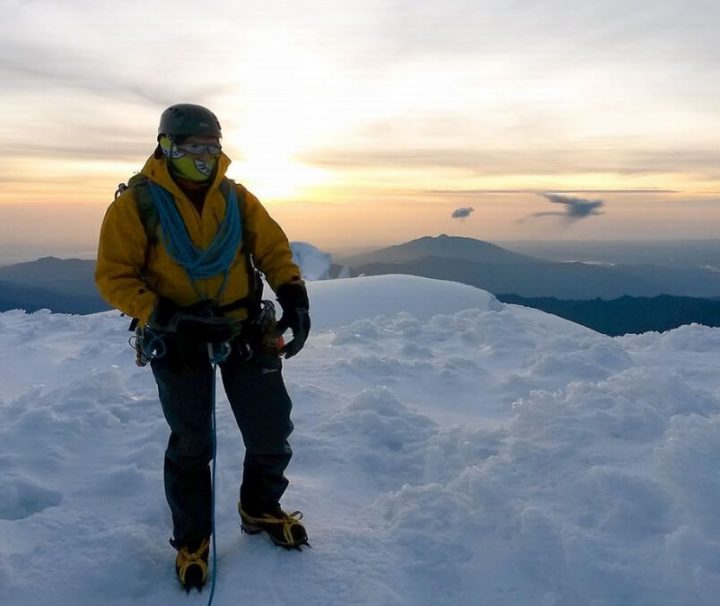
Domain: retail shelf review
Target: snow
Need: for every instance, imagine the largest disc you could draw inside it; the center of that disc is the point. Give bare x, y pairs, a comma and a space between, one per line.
313, 262
449, 449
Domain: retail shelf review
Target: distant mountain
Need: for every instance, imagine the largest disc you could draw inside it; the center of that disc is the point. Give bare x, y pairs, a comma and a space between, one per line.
68, 285
60, 285
497, 270
612, 300
29, 298
444, 246
673, 253
628, 314
69, 276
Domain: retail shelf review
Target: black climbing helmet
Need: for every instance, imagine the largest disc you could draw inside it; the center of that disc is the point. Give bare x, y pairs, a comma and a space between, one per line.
185, 119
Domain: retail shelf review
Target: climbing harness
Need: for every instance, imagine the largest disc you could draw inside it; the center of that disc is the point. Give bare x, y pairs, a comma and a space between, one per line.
150, 344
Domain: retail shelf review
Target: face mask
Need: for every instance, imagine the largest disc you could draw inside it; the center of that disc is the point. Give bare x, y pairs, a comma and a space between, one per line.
195, 169
182, 160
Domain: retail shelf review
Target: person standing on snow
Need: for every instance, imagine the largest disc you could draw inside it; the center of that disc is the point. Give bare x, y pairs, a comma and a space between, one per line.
179, 251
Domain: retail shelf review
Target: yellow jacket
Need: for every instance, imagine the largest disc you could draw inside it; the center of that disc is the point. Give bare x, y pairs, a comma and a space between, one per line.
128, 284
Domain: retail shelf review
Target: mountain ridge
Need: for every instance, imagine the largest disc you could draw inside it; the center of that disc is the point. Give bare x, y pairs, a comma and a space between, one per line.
580, 292
498, 270
441, 246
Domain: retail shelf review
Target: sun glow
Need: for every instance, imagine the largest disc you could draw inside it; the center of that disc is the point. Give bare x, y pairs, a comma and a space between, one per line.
276, 177
281, 108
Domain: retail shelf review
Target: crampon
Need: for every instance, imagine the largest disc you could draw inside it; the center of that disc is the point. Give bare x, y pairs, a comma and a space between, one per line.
285, 530
192, 567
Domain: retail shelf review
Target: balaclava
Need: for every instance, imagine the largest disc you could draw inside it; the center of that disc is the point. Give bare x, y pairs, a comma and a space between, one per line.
187, 166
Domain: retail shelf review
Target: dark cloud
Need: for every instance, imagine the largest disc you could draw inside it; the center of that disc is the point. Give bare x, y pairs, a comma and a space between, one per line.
462, 213
575, 208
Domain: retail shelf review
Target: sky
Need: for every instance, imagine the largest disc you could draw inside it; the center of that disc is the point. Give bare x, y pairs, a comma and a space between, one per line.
376, 121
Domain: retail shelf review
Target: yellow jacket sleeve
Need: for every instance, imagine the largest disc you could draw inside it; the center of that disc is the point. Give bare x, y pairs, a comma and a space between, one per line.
121, 255
269, 245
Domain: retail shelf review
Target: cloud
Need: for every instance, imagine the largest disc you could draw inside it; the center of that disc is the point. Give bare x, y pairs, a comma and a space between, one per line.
697, 158
575, 208
462, 213
480, 192
466, 98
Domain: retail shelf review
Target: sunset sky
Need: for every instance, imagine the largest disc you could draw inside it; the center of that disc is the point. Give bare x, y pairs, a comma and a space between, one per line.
366, 122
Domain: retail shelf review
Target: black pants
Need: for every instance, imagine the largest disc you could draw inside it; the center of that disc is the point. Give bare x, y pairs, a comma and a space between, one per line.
261, 406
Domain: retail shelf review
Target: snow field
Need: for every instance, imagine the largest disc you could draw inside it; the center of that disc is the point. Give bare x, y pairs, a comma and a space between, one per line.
481, 454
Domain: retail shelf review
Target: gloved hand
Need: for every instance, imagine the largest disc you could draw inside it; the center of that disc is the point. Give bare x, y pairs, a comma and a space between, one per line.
200, 322
294, 301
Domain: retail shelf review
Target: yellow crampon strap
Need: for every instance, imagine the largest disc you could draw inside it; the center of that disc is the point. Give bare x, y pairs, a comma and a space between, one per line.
185, 559
290, 520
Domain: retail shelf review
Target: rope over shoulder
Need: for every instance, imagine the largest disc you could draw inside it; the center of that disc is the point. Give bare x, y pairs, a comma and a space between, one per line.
199, 263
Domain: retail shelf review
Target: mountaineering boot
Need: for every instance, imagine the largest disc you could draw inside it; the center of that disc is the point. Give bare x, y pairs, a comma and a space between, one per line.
283, 529
192, 566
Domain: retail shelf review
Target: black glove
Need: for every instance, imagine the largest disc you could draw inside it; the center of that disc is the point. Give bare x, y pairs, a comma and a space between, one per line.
197, 323
293, 299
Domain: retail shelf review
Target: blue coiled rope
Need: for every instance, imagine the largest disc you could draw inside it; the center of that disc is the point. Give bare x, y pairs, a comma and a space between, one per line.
198, 263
